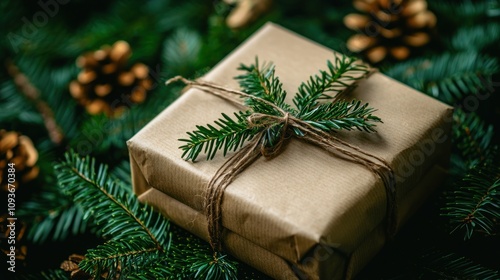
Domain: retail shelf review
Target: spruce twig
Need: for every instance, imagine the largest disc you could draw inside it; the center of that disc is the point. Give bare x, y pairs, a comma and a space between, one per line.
140, 244
472, 137
134, 229
473, 205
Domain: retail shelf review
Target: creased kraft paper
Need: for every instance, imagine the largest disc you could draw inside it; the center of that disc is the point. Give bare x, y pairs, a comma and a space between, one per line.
305, 196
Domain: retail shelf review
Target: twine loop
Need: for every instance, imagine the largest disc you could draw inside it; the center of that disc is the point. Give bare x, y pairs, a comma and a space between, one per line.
256, 147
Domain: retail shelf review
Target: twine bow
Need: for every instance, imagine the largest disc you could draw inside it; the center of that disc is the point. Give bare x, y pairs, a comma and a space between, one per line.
256, 148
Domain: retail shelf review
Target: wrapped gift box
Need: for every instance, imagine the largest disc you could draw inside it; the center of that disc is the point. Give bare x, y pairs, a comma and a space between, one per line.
305, 214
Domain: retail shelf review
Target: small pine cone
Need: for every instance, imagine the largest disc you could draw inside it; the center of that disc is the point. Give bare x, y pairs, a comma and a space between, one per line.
17, 149
389, 28
105, 84
71, 265
246, 12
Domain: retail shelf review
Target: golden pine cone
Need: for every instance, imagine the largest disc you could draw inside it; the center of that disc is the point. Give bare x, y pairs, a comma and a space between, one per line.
246, 12
19, 150
71, 265
105, 84
389, 28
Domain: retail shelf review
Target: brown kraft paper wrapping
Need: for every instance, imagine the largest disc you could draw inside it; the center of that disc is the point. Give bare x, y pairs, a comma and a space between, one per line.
304, 197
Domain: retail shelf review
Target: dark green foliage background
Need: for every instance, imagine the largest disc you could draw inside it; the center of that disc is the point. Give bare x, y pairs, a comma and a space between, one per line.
460, 67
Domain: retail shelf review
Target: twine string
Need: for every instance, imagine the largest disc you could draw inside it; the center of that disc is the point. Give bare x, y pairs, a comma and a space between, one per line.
256, 147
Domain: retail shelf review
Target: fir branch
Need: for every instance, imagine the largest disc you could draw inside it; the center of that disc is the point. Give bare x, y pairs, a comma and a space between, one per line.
208, 268
140, 246
263, 83
123, 257
16, 107
338, 78
229, 136
199, 262
452, 266
342, 115
448, 77
54, 215
465, 12
476, 37
472, 136
103, 197
474, 204
180, 51
152, 270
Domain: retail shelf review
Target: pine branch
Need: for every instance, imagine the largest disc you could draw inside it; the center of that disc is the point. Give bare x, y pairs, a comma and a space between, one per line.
90, 189
263, 83
229, 136
448, 77
477, 37
180, 51
465, 12
207, 268
472, 136
199, 263
132, 227
338, 77
51, 214
443, 265
16, 107
54, 217
474, 204
140, 244
122, 257
342, 115
152, 270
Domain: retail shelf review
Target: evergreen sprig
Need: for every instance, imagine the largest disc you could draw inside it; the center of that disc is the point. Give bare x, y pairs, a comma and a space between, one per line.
473, 205
338, 78
472, 137
133, 229
442, 265
55, 217
476, 37
448, 77
140, 243
260, 81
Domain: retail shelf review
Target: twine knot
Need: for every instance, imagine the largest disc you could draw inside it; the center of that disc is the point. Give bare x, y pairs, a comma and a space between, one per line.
257, 147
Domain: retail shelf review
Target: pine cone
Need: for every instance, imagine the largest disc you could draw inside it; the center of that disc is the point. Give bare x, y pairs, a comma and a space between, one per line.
105, 84
71, 265
389, 27
246, 11
18, 149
